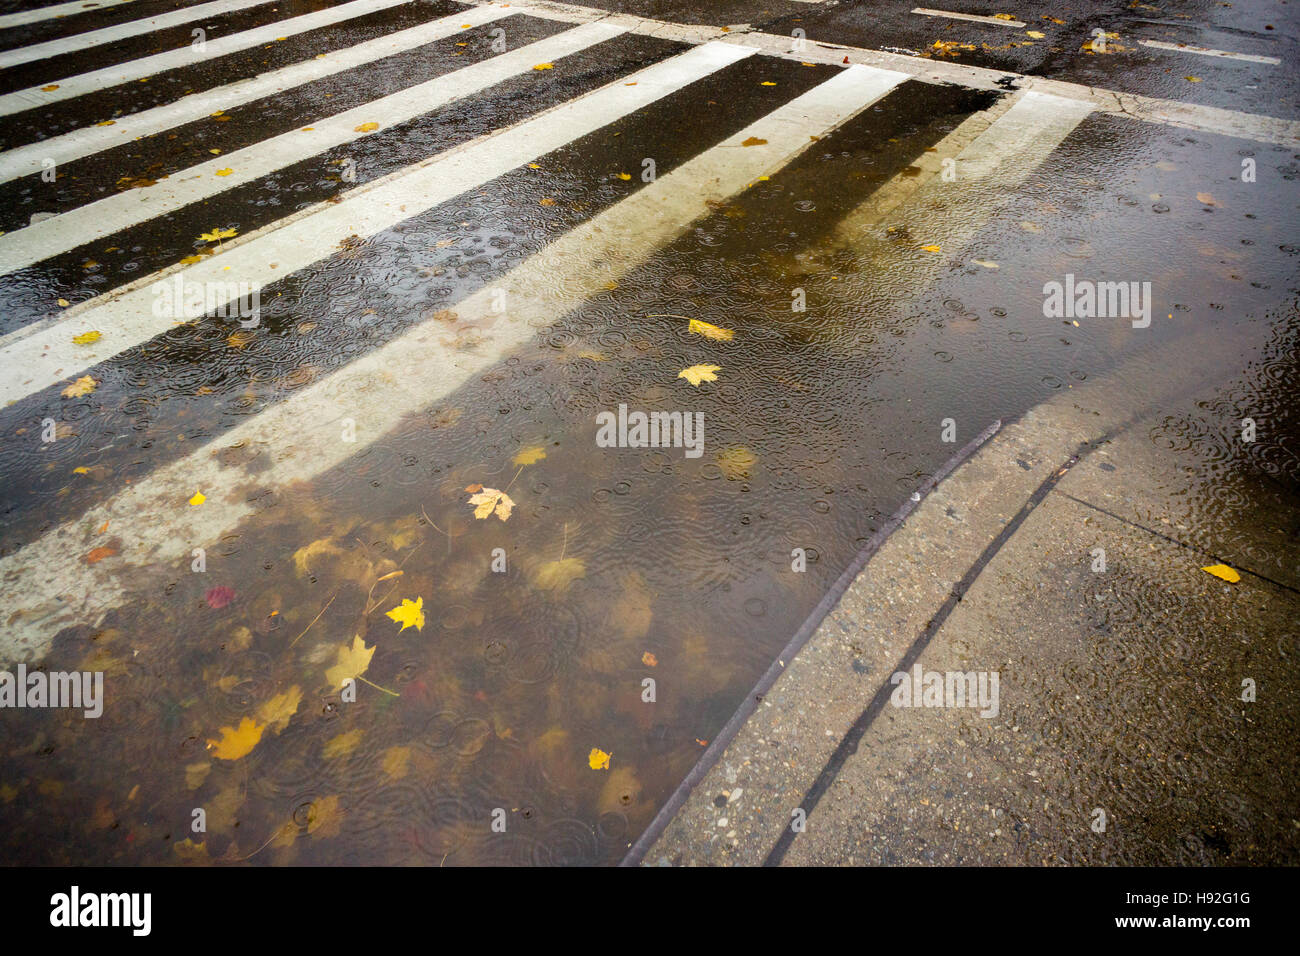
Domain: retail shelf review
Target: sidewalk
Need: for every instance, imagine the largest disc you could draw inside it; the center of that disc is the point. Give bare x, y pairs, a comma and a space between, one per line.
1118, 691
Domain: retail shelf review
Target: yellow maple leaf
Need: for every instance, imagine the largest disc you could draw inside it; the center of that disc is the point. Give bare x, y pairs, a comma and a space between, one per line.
488, 500
82, 386
544, 66
1224, 572
218, 234
198, 499
598, 759
352, 662
931, 249
558, 575
85, 338
625, 176
711, 331
409, 614
277, 711
530, 455
700, 373
366, 128
238, 741
225, 172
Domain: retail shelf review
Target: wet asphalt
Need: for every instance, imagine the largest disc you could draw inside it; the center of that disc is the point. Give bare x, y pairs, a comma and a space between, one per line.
822, 421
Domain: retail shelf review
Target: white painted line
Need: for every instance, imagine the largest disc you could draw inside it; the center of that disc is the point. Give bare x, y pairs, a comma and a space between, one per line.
58, 10
120, 211
1206, 51
46, 585
125, 320
133, 28
973, 18
65, 89
1252, 126
26, 160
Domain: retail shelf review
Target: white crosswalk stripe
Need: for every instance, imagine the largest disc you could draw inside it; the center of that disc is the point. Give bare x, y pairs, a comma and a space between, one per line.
128, 319
65, 89
421, 365
84, 41
113, 214
80, 143
27, 17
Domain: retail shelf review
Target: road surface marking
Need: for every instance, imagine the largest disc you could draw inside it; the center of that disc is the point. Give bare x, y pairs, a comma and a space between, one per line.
46, 586
26, 160
121, 211
973, 18
133, 28
58, 10
1252, 126
125, 317
37, 96
1206, 51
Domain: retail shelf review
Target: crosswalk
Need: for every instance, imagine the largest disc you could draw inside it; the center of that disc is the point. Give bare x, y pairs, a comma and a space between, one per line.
61, 327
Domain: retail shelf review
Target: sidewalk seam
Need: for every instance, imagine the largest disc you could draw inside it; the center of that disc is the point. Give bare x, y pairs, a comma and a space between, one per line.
848, 744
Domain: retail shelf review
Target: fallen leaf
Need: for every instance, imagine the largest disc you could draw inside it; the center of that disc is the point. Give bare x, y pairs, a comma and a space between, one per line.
85, 338
1224, 572
1192, 79
324, 817
753, 141
546, 201
352, 662
277, 711
544, 66
736, 462
218, 234
598, 759
1034, 34
395, 762
99, 554
700, 373
366, 128
408, 614
530, 455
225, 172
931, 249
649, 660
711, 331
624, 176
219, 596
342, 745
558, 575
198, 499
1206, 198
82, 386
986, 263
50, 88
238, 741
489, 500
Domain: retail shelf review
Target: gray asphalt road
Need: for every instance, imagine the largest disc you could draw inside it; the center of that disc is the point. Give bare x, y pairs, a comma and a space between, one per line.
329, 327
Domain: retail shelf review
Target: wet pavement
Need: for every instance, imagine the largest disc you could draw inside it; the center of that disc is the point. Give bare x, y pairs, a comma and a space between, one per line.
221, 518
